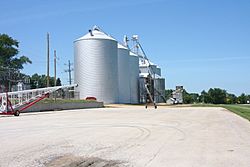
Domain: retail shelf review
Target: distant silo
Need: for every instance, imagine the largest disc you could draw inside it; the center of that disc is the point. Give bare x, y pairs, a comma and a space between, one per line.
134, 78
95, 66
123, 74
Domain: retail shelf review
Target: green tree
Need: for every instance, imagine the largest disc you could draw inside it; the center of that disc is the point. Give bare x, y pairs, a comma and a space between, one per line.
248, 98
10, 63
8, 53
205, 98
58, 82
242, 99
189, 98
217, 95
40, 81
231, 98
186, 97
195, 97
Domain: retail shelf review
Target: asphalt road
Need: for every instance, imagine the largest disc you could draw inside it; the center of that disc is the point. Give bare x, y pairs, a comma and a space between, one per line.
132, 136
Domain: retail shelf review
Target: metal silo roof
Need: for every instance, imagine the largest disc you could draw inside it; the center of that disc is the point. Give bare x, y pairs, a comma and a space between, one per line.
96, 67
132, 54
96, 33
120, 46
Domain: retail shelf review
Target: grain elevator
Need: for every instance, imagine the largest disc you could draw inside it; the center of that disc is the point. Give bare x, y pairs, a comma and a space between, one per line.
114, 72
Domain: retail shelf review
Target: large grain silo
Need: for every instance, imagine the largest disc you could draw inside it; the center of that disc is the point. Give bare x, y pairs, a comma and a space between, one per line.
95, 66
123, 74
134, 78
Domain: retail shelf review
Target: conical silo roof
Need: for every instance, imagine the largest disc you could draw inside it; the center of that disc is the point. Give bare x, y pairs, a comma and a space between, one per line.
120, 46
96, 33
133, 54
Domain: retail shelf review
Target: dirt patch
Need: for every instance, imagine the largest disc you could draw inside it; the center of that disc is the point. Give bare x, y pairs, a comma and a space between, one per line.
74, 161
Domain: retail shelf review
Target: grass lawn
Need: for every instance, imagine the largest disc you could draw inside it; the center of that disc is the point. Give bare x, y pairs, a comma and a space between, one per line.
240, 109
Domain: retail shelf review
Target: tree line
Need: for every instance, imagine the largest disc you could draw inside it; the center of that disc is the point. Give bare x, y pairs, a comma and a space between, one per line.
40, 81
11, 64
213, 96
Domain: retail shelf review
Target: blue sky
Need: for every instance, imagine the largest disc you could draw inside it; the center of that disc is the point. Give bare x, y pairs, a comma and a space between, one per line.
197, 43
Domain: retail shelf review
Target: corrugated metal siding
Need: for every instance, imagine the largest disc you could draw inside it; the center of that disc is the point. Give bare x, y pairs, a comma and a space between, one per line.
134, 78
159, 84
96, 70
158, 71
153, 68
144, 69
142, 90
123, 75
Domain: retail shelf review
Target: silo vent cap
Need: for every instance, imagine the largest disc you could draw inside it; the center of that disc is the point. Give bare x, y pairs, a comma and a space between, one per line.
96, 28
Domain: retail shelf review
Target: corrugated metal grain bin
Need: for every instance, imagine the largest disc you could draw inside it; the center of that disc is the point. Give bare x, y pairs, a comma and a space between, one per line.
159, 85
95, 66
158, 70
153, 68
142, 90
123, 74
134, 78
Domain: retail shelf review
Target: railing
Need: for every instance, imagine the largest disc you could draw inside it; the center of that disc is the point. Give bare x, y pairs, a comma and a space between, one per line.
21, 98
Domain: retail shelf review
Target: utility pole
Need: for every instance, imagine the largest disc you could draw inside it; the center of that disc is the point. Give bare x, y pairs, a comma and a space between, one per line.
47, 59
55, 73
69, 70
69, 73
54, 67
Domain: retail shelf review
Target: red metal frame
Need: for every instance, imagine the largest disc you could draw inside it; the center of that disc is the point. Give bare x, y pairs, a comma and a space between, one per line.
27, 105
34, 102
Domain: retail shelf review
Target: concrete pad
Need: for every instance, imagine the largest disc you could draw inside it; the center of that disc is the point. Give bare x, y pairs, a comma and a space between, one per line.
134, 136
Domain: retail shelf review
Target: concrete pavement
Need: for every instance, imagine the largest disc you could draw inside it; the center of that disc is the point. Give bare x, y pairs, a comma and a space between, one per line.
132, 136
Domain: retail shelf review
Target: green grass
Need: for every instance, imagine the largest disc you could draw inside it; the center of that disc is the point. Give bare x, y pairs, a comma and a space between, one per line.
241, 109
205, 105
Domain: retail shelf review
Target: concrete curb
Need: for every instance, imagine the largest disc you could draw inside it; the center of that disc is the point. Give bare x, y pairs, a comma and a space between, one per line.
63, 106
